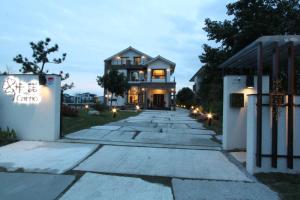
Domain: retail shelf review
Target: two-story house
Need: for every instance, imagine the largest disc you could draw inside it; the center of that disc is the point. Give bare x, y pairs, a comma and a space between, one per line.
149, 79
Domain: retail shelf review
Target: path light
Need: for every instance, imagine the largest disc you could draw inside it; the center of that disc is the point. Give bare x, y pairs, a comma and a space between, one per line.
137, 108
195, 112
192, 107
114, 111
209, 117
86, 106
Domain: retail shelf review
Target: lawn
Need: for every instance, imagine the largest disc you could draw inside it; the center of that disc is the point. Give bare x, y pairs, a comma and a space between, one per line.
286, 185
83, 121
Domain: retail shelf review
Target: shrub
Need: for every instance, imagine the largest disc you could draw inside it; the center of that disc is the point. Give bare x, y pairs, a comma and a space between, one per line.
69, 111
100, 107
8, 135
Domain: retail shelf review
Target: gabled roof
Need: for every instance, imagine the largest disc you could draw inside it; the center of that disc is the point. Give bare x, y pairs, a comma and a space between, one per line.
196, 74
130, 48
161, 59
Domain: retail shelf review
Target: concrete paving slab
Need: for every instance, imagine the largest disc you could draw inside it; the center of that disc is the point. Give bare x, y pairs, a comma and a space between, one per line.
106, 127
241, 156
137, 128
88, 134
196, 125
220, 190
95, 186
16, 186
181, 126
49, 157
188, 131
179, 139
120, 136
196, 164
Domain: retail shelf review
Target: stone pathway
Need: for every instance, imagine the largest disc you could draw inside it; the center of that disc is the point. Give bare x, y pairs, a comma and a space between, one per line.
161, 155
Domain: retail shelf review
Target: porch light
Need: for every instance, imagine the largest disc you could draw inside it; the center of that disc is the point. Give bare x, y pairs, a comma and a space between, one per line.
118, 57
250, 81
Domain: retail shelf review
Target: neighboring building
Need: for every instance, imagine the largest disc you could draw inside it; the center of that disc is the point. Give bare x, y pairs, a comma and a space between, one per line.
197, 80
149, 79
81, 98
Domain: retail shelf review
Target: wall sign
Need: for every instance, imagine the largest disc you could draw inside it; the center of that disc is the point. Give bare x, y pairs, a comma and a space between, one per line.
22, 92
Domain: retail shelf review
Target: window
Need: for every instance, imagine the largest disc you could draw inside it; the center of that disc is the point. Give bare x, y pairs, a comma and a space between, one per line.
134, 76
133, 96
158, 74
137, 60
124, 60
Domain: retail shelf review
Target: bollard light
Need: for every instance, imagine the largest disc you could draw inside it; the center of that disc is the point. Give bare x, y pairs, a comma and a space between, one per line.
114, 111
209, 117
137, 108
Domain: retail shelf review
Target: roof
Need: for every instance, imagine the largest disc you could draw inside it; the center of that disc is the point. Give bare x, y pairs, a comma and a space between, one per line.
161, 59
247, 57
130, 48
196, 74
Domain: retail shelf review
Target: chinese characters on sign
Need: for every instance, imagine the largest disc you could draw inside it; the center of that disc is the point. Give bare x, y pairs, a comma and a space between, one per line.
22, 92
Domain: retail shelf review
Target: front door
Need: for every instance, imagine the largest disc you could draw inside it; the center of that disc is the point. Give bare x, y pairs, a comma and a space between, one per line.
158, 100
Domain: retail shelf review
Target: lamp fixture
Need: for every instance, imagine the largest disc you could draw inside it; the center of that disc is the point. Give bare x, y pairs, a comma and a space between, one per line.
250, 81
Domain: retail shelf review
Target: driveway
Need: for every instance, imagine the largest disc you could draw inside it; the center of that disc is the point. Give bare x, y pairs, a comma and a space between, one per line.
152, 128
161, 155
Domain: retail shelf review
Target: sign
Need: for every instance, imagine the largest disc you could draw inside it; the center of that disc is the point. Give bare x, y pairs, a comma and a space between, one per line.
22, 92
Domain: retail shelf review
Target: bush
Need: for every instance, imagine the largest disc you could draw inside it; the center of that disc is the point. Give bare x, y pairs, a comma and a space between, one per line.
100, 107
8, 135
69, 112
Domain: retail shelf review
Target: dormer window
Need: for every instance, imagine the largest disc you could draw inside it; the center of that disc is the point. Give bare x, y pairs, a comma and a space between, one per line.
137, 60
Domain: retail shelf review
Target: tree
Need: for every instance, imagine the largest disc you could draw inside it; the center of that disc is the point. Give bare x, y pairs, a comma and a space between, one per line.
116, 83
41, 56
185, 96
250, 20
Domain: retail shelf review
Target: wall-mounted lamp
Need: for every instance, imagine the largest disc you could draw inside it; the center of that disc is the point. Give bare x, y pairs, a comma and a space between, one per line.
250, 81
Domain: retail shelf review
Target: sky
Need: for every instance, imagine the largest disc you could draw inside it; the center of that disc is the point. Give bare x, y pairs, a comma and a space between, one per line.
91, 31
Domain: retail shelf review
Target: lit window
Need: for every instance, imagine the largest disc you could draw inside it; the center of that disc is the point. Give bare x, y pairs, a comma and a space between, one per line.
158, 74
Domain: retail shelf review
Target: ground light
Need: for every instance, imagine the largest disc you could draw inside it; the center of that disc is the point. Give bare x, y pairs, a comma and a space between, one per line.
137, 108
195, 112
209, 117
114, 111
86, 106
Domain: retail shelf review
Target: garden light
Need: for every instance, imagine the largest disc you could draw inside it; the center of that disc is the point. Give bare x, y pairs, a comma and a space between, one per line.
86, 106
192, 107
195, 111
137, 107
114, 110
209, 117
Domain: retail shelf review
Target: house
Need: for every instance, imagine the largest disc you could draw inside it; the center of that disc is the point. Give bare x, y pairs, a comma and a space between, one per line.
150, 79
80, 98
197, 79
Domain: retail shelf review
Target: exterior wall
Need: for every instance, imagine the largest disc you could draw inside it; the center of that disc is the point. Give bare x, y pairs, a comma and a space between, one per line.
266, 137
235, 119
33, 121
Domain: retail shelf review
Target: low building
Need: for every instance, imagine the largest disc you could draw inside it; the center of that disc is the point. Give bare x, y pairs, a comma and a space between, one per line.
150, 79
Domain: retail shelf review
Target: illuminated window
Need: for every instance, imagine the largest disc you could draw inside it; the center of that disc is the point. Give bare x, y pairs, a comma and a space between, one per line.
137, 60
158, 74
133, 96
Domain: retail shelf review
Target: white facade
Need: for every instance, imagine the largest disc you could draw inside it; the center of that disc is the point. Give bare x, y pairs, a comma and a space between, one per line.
149, 78
235, 119
32, 121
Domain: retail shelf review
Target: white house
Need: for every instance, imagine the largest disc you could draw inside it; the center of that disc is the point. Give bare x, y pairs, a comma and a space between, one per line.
150, 79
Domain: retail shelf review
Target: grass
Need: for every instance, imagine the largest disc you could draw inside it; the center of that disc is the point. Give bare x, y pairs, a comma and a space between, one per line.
286, 185
83, 121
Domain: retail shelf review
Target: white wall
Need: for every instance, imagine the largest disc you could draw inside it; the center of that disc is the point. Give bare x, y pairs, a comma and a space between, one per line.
266, 137
33, 121
235, 119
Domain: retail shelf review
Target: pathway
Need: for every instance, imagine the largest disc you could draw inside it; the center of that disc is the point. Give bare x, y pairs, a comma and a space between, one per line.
161, 155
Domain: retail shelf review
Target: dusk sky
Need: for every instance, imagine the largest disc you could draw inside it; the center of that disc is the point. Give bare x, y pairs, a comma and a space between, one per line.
91, 31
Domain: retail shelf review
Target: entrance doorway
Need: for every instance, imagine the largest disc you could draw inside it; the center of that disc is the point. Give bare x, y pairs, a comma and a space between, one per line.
159, 100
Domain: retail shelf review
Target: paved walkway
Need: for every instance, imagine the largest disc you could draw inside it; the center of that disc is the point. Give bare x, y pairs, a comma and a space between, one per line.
161, 155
